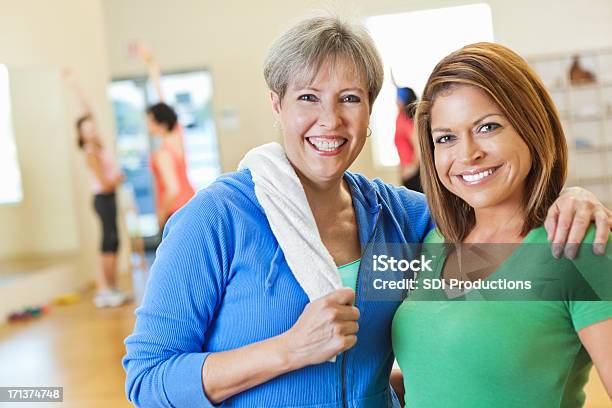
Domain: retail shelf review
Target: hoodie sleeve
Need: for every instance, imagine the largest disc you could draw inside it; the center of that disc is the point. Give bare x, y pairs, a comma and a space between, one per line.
410, 209
417, 219
165, 352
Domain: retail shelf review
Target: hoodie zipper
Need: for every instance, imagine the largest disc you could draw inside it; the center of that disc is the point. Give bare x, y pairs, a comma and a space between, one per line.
343, 364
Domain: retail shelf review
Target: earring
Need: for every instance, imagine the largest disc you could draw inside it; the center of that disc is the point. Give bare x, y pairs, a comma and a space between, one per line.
275, 125
369, 132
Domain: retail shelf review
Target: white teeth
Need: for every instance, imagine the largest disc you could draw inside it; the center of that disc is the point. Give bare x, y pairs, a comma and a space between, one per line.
475, 177
327, 145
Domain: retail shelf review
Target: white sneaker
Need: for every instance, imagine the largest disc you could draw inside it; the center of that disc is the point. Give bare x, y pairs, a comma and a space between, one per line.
118, 298
100, 299
110, 298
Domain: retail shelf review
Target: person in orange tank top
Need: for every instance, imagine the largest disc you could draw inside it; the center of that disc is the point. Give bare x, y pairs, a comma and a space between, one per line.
168, 162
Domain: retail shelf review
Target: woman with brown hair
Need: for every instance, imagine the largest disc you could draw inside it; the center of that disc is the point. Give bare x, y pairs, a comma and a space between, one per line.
490, 132
106, 177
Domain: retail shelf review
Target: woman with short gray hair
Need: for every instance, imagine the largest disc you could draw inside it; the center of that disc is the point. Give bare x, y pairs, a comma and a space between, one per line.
297, 55
256, 297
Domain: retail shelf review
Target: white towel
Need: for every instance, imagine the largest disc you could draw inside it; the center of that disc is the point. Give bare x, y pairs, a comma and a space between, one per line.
281, 194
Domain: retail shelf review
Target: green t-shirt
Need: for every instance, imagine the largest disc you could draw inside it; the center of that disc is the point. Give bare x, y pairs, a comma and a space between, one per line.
499, 353
348, 274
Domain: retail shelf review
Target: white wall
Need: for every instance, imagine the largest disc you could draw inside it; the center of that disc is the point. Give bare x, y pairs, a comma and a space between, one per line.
44, 222
231, 37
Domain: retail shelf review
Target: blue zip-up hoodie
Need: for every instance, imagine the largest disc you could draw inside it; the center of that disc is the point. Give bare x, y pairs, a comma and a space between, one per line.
220, 281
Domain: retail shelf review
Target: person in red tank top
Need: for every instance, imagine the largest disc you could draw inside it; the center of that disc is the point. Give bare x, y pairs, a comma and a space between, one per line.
405, 141
168, 162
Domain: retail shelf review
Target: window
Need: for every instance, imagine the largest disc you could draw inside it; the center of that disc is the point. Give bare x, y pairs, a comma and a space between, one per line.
10, 182
190, 94
411, 44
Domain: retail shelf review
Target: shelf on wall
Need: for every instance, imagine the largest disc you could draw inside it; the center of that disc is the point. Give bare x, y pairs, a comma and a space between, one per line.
590, 180
587, 118
590, 149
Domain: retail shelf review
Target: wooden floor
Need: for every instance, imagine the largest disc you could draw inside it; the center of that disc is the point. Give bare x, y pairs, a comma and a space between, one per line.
80, 348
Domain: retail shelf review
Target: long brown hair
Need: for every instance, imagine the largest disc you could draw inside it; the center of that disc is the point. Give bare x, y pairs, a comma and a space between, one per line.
509, 81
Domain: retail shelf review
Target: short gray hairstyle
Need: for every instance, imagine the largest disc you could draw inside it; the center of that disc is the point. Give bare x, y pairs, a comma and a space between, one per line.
297, 55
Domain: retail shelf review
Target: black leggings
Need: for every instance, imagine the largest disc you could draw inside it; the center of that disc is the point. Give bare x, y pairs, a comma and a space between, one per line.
106, 208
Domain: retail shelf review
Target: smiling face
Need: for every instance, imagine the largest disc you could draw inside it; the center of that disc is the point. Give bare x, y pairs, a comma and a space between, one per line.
478, 155
324, 123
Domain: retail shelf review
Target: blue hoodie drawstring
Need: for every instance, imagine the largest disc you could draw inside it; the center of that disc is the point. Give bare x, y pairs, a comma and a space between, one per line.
274, 268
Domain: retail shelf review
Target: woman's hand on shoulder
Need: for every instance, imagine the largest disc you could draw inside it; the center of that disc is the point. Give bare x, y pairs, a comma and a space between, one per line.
569, 219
